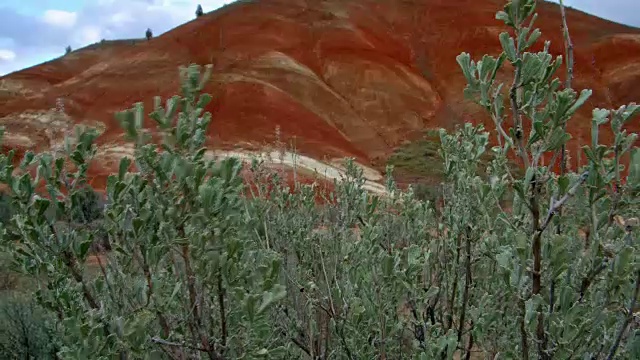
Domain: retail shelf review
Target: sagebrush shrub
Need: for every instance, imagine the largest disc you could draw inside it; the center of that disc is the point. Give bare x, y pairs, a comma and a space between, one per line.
198, 269
26, 330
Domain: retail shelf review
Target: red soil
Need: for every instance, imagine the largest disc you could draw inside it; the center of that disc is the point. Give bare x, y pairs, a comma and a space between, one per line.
346, 78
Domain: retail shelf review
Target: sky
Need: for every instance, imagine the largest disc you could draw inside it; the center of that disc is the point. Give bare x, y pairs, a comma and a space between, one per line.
35, 31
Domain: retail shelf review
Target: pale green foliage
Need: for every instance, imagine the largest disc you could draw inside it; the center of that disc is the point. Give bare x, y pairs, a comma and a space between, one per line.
26, 330
580, 304
200, 270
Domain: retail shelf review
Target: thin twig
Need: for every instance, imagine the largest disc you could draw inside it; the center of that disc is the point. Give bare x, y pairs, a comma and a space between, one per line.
514, 99
333, 314
223, 313
587, 281
556, 205
563, 158
465, 295
470, 343
524, 338
467, 283
627, 321
568, 44
191, 287
454, 287
159, 341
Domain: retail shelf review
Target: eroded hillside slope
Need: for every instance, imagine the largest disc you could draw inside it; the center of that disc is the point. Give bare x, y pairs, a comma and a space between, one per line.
345, 78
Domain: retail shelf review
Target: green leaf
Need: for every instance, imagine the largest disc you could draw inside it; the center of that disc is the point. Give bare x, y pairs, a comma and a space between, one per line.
535, 35
508, 46
531, 67
27, 159
24, 187
204, 100
77, 158
41, 205
634, 168
538, 132
563, 184
433, 291
566, 297
631, 111
623, 260
84, 248
176, 289
633, 345
387, 265
138, 223
468, 70
517, 186
171, 108
527, 8
262, 352
530, 310
601, 116
504, 16
584, 96
270, 297
59, 165
125, 163
415, 255
250, 302
504, 259
558, 138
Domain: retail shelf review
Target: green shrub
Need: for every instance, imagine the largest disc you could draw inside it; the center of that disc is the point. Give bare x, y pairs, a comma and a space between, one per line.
5, 208
198, 270
90, 207
26, 330
8, 277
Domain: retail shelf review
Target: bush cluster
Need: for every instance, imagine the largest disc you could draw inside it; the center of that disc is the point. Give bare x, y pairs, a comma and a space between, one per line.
204, 266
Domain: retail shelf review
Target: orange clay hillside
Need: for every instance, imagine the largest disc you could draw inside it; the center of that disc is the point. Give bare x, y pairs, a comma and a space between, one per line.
345, 78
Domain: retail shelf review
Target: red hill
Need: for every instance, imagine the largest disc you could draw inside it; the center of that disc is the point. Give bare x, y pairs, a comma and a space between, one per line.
345, 78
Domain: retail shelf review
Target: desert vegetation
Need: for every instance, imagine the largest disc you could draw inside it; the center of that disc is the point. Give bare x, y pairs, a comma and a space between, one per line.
203, 264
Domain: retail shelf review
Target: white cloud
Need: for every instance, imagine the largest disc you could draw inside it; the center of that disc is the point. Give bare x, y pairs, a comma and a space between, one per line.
88, 35
121, 18
184, 10
7, 55
60, 18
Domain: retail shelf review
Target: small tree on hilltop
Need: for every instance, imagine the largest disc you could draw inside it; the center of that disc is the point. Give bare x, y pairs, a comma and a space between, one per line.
67, 50
199, 11
149, 34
